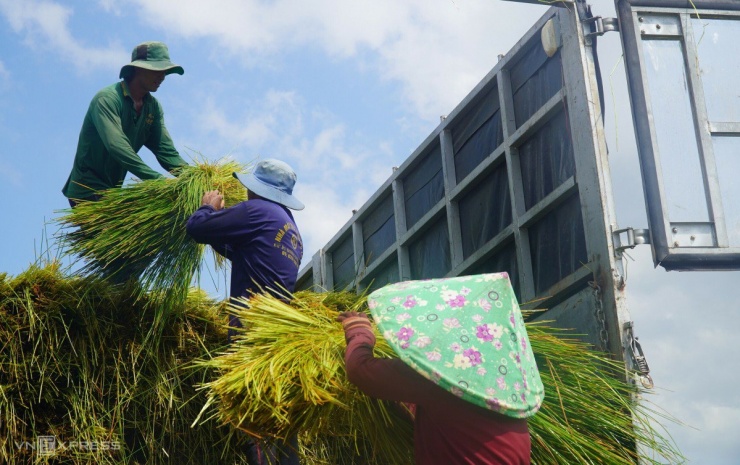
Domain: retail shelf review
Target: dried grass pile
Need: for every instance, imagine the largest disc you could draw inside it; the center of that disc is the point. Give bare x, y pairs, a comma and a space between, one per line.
285, 374
75, 365
139, 229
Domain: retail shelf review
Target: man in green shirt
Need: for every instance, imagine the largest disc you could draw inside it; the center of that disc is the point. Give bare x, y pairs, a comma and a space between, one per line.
121, 119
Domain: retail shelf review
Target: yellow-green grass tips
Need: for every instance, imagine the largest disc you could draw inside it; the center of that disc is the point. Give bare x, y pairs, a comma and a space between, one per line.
139, 230
78, 369
284, 374
78, 362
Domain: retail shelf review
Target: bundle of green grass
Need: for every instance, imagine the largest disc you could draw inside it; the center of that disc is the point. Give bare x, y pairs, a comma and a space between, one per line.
285, 375
139, 230
76, 365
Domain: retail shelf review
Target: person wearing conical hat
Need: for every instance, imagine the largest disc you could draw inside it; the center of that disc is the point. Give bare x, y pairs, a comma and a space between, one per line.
121, 119
464, 362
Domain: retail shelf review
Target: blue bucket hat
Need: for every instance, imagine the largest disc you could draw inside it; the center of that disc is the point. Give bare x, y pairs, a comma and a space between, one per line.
153, 56
273, 180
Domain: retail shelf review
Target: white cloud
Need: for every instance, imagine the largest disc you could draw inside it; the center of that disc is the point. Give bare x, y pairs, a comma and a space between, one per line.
256, 131
44, 24
261, 28
111, 6
318, 146
433, 48
444, 51
325, 213
706, 426
686, 323
281, 125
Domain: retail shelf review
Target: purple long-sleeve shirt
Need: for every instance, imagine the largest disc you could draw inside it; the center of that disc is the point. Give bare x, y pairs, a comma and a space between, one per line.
260, 238
447, 429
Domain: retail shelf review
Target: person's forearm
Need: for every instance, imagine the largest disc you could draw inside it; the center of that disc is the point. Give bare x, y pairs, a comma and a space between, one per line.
388, 379
167, 156
201, 229
161, 144
131, 161
198, 226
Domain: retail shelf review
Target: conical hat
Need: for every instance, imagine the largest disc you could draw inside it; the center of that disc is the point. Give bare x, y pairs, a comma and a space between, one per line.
465, 334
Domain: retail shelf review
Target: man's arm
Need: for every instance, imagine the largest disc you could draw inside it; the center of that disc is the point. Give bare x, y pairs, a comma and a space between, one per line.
217, 226
105, 114
197, 227
161, 144
387, 379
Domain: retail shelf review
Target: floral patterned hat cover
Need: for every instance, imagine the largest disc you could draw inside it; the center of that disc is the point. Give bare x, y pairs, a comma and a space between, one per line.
467, 335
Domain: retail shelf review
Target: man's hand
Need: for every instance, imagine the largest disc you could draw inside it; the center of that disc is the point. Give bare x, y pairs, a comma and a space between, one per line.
214, 199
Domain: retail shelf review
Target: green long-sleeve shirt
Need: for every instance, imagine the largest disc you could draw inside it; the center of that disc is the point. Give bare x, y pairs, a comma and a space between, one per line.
111, 136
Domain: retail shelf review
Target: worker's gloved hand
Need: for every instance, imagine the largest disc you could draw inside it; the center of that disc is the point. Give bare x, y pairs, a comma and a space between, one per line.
351, 320
214, 199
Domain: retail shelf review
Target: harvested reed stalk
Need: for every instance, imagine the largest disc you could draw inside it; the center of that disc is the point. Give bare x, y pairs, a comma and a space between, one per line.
591, 414
139, 229
71, 368
285, 374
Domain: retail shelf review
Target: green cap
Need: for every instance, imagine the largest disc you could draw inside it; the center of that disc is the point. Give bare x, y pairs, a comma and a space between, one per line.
153, 56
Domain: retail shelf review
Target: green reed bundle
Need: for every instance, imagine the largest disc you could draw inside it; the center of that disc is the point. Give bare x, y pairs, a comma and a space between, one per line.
75, 365
139, 229
285, 374
590, 413
72, 368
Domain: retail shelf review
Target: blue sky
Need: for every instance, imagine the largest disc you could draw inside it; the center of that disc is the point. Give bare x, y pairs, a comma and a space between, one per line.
343, 91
